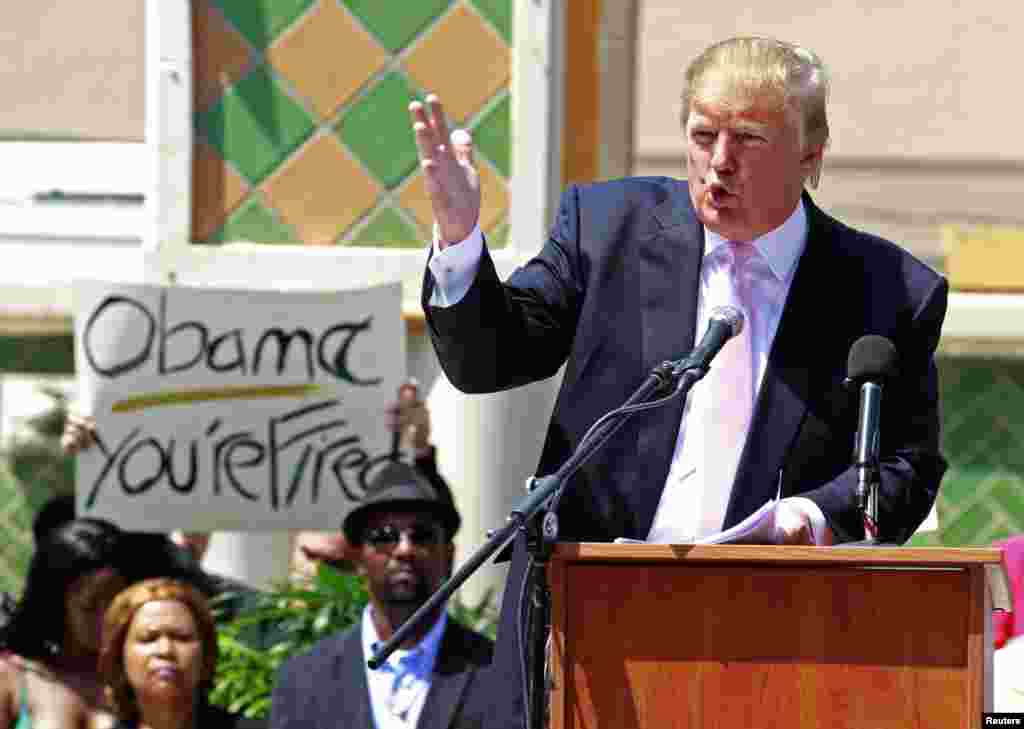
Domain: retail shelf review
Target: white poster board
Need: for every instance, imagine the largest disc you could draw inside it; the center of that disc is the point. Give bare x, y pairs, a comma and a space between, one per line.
235, 410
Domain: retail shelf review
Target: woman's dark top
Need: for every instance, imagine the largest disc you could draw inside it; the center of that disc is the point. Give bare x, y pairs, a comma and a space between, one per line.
211, 717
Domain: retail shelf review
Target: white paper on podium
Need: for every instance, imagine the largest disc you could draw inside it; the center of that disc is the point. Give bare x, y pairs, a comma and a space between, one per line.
758, 528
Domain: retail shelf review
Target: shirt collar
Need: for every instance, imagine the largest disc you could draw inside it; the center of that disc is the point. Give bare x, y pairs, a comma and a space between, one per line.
780, 248
423, 653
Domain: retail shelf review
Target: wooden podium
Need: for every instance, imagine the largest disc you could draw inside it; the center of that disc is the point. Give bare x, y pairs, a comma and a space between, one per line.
674, 636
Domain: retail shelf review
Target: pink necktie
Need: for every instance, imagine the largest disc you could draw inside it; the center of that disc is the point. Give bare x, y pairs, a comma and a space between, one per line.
730, 397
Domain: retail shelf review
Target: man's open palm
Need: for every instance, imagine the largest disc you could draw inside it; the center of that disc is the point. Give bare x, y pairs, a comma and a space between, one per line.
447, 163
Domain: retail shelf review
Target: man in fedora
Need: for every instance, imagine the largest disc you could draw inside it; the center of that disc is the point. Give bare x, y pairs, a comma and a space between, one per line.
401, 537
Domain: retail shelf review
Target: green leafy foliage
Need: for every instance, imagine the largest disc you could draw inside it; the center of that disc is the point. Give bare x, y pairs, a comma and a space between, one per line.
33, 469
258, 635
259, 631
34, 454
482, 617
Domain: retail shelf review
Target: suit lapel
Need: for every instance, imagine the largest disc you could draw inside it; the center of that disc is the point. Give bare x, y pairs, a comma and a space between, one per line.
350, 670
447, 683
667, 268
788, 385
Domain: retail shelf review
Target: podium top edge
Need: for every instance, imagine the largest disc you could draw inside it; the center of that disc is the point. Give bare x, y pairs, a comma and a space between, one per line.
777, 554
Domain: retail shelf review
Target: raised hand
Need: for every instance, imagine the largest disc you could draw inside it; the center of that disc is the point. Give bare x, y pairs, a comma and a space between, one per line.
447, 163
409, 417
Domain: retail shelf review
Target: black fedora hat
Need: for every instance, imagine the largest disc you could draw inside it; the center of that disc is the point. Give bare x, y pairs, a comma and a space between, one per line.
399, 486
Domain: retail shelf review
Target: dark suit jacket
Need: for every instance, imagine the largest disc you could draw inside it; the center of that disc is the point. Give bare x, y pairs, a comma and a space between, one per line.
326, 688
614, 292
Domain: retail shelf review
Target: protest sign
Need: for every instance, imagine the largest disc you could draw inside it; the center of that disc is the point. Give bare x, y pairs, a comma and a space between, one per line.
230, 409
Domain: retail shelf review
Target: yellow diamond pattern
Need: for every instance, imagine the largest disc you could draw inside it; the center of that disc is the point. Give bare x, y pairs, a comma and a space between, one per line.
321, 191
326, 60
327, 32
462, 60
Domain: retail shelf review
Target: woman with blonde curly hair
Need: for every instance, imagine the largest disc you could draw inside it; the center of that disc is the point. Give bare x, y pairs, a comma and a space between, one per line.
158, 656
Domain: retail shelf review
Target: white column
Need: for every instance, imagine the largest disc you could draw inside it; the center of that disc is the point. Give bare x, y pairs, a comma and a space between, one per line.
259, 559
487, 446
168, 74
538, 67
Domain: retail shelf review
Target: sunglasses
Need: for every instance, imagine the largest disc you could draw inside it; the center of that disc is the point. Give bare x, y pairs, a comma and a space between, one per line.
388, 536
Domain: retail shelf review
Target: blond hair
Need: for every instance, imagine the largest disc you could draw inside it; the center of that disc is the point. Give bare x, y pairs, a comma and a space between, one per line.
744, 69
118, 620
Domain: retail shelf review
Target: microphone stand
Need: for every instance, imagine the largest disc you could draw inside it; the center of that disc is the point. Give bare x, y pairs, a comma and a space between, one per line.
540, 523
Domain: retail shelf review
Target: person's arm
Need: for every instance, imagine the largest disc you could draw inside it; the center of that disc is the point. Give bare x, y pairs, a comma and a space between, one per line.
314, 547
911, 464
454, 189
501, 336
505, 336
10, 690
410, 416
426, 464
454, 268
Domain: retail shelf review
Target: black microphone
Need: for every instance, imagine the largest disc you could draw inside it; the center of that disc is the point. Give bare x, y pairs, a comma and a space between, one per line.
872, 361
724, 323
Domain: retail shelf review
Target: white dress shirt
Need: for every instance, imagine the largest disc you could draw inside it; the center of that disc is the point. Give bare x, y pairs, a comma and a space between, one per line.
677, 518
398, 689
454, 270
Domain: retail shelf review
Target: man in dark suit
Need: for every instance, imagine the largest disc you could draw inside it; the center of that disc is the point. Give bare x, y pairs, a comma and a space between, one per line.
627, 279
400, 535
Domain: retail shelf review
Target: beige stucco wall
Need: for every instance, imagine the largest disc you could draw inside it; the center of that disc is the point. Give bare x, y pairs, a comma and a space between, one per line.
914, 79
924, 109
72, 69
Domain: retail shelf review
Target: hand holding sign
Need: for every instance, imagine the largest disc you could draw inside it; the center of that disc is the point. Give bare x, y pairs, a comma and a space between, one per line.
79, 433
409, 420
